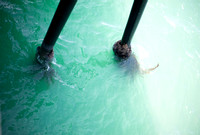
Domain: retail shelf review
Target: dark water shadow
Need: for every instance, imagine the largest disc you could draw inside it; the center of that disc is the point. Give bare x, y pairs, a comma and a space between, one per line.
40, 71
129, 66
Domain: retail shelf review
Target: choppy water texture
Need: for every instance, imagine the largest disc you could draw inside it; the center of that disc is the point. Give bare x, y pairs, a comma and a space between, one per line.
87, 91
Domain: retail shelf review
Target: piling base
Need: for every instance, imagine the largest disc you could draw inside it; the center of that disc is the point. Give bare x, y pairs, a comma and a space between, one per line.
44, 57
122, 50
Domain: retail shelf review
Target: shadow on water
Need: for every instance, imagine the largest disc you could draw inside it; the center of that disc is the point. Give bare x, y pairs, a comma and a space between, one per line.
129, 66
42, 71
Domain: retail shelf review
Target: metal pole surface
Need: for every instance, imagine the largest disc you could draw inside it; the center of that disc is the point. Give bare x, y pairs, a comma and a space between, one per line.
134, 18
61, 15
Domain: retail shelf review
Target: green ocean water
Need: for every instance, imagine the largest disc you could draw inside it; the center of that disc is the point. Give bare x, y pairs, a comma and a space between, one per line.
89, 92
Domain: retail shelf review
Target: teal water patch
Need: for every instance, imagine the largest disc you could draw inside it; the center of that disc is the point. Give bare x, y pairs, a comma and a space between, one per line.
87, 91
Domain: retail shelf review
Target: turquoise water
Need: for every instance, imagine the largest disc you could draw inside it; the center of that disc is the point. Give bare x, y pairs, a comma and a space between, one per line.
90, 92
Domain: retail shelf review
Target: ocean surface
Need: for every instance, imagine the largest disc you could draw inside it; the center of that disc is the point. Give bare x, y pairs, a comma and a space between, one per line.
87, 91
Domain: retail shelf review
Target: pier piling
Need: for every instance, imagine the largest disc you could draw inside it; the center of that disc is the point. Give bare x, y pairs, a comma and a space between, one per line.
45, 52
122, 48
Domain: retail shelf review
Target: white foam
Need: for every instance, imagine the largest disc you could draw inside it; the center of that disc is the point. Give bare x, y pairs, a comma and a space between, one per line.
109, 25
170, 22
189, 55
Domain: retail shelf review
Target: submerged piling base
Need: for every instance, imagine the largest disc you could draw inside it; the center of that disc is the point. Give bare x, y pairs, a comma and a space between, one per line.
44, 57
122, 50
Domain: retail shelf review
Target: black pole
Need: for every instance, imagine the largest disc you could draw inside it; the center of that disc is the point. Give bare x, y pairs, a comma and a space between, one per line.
134, 18
122, 48
63, 11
